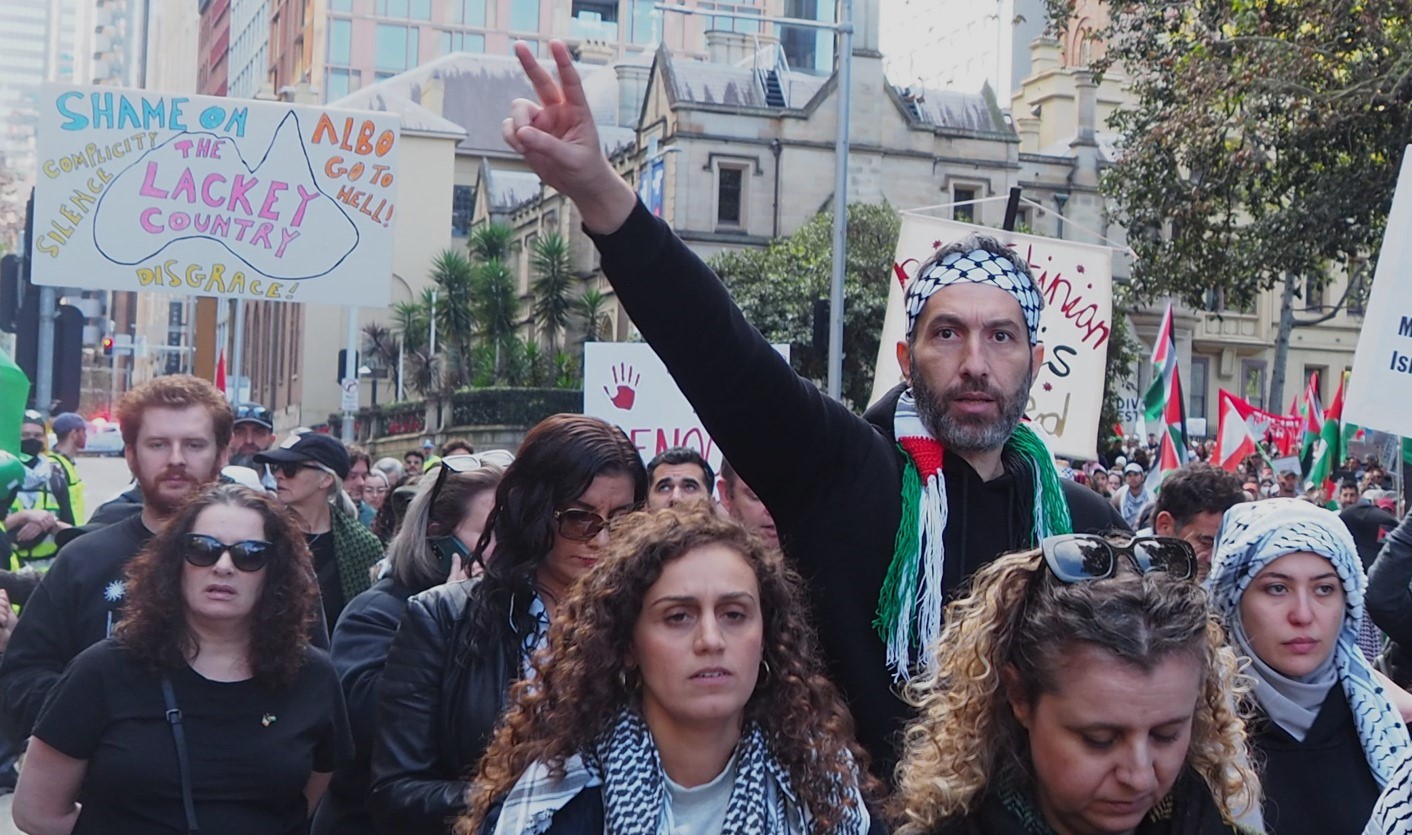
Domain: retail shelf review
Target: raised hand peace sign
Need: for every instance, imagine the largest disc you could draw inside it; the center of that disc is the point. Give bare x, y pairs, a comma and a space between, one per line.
560, 142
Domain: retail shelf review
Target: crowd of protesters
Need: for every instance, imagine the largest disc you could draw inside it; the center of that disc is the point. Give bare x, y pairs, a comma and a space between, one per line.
914, 620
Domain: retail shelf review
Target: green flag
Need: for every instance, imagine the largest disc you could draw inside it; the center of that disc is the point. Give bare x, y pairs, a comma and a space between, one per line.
14, 394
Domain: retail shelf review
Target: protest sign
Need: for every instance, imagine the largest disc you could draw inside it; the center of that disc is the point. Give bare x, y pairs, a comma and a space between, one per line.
1076, 281
200, 195
1380, 390
626, 384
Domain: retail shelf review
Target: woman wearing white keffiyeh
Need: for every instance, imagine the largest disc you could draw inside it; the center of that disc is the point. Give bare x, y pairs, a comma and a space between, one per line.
681, 692
1286, 577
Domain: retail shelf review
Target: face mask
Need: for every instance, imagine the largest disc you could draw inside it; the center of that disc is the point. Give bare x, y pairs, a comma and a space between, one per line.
448, 547
31, 446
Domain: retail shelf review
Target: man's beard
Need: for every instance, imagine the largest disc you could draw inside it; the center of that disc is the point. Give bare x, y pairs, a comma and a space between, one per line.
164, 505
245, 459
970, 434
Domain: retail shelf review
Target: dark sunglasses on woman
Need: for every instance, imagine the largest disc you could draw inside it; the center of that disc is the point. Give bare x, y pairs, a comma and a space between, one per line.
205, 551
1080, 557
581, 525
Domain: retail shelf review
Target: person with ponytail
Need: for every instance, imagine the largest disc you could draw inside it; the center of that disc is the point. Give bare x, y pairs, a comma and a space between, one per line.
1287, 580
1084, 686
681, 691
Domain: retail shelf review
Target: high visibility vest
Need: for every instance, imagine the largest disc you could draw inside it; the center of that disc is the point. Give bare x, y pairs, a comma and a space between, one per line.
76, 503
41, 553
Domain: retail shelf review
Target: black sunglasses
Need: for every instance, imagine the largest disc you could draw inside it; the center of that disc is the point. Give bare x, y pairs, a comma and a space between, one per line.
205, 551
292, 468
583, 525
465, 464
1080, 557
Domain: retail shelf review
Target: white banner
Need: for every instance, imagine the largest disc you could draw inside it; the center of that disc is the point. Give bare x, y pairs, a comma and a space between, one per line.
1077, 283
627, 385
1380, 388
210, 196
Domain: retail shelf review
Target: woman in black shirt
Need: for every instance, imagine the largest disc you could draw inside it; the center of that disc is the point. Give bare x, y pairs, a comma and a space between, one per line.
260, 710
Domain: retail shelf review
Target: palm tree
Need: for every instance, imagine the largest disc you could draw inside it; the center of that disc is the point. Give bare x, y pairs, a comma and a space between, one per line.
552, 284
382, 349
497, 307
490, 242
592, 308
411, 323
455, 279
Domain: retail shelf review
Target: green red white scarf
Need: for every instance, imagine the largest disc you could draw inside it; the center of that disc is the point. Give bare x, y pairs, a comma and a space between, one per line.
910, 604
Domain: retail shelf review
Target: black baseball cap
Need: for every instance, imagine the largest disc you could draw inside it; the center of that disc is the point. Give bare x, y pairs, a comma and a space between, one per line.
311, 447
254, 413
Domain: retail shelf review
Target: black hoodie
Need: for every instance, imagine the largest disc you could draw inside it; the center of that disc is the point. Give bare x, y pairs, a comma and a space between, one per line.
832, 480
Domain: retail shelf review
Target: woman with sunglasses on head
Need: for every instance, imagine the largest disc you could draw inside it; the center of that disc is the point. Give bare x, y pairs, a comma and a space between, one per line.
444, 523
1081, 687
1286, 577
682, 691
207, 708
462, 645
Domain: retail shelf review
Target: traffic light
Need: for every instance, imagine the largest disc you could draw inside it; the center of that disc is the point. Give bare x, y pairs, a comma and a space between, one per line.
107, 346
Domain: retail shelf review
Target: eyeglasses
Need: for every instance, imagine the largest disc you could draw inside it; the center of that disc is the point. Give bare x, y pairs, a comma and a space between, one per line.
292, 468
466, 464
582, 525
1078, 558
204, 551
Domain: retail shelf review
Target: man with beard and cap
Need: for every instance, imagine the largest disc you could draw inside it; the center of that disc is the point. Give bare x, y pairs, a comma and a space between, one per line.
175, 432
70, 437
42, 507
254, 432
888, 514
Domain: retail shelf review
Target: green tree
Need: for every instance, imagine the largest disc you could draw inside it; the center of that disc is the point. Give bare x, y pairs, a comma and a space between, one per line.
382, 349
490, 242
592, 310
497, 309
411, 322
776, 288
553, 286
455, 279
1261, 150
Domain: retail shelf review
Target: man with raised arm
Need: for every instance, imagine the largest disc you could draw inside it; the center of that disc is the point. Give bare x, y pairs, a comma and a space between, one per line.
885, 514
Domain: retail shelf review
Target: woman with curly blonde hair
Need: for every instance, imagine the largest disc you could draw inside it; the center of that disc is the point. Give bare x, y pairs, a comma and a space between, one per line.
1081, 687
681, 691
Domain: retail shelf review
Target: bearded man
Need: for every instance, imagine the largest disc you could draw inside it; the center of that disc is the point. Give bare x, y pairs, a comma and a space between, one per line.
175, 433
887, 514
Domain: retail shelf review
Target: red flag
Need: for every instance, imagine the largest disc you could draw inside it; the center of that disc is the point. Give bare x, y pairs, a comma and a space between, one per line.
221, 372
1234, 440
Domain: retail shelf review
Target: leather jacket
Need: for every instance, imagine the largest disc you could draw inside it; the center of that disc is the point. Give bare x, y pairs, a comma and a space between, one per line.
440, 697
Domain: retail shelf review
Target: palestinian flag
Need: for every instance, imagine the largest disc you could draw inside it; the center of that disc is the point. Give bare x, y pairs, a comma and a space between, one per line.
1311, 424
1328, 450
1164, 368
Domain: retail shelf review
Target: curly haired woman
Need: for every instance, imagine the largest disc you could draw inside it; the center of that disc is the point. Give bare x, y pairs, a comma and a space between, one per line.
1082, 687
261, 710
681, 692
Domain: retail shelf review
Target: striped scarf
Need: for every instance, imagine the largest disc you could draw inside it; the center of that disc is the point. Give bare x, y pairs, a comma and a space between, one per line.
910, 605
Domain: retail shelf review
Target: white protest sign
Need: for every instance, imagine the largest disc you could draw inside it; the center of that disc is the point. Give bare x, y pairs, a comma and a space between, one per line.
201, 195
1076, 281
1380, 388
626, 384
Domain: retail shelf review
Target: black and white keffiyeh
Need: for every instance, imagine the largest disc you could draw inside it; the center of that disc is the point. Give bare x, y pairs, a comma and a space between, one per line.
979, 266
1393, 813
1255, 534
625, 763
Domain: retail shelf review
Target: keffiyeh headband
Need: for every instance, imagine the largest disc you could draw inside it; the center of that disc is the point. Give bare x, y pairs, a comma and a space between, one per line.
979, 266
1255, 534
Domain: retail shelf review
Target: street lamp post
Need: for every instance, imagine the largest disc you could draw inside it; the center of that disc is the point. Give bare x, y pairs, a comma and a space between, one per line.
844, 29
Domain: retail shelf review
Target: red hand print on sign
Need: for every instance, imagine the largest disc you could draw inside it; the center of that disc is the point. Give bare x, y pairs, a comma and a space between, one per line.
625, 380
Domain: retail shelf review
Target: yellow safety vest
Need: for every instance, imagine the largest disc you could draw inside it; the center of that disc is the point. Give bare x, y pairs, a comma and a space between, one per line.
46, 548
76, 503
